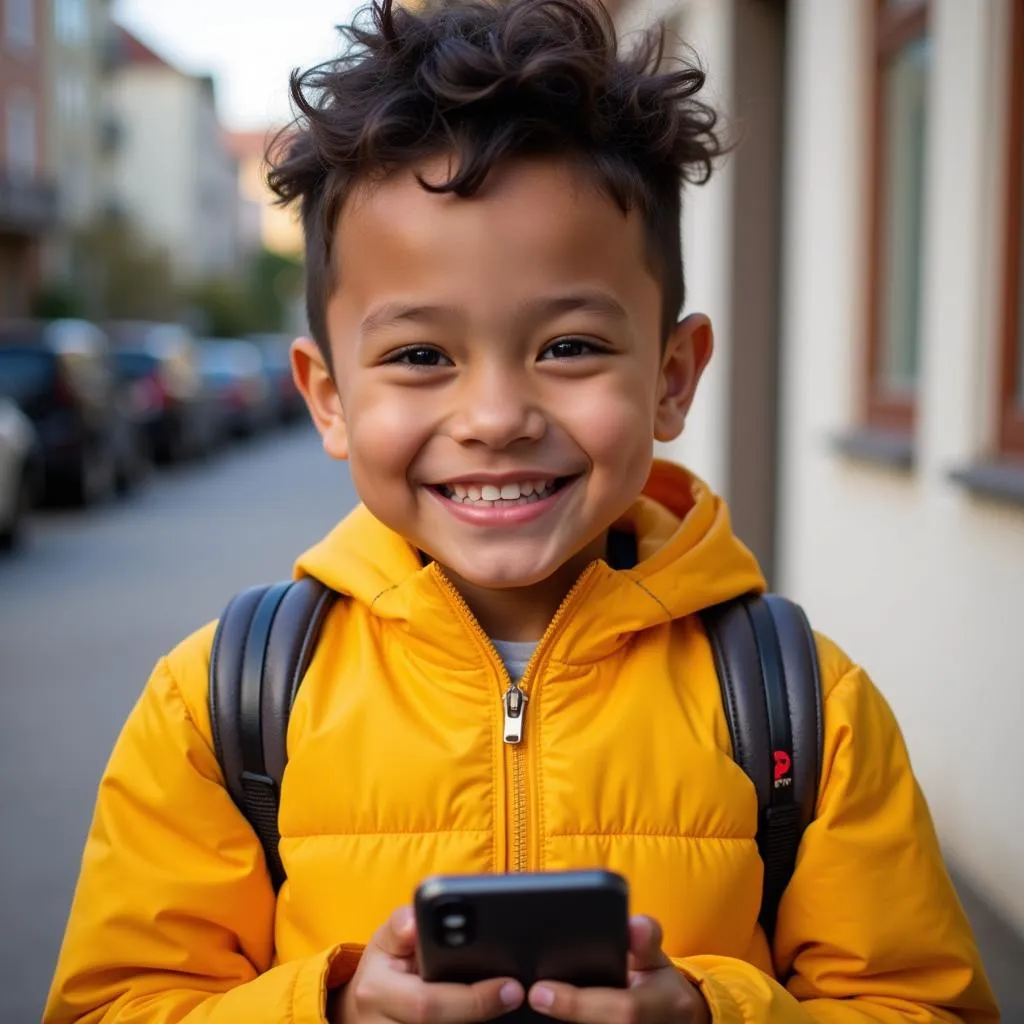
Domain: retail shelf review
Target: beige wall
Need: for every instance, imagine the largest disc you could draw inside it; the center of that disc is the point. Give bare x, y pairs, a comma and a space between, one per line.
706, 25
154, 176
171, 173
276, 228
921, 583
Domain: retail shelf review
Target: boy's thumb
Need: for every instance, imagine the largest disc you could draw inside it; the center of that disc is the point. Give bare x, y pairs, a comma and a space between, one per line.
645, 945
398, 936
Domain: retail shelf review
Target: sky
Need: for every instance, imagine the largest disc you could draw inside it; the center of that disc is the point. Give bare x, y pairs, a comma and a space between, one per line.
249, 46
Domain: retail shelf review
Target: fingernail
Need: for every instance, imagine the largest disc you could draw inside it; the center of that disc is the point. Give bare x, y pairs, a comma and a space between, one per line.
511, 994
403, 919
542, 998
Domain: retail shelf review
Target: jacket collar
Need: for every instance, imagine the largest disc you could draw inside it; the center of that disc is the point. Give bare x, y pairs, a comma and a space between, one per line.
689, 560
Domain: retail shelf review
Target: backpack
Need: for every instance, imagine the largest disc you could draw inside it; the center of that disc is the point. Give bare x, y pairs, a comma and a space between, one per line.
764, 653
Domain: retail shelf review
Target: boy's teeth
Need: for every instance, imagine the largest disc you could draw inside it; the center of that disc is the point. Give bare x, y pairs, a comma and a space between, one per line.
487, 495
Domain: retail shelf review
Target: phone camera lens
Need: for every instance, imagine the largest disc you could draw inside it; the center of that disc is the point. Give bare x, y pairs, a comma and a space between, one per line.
454, 925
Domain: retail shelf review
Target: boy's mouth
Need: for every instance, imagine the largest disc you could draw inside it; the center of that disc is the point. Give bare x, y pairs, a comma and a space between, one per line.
506, 495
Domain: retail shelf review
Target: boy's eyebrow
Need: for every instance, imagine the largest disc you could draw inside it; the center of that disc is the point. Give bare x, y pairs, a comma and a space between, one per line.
392, 313
589, 301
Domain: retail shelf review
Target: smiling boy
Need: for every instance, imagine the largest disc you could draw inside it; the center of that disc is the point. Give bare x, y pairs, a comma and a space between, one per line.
510, 342
490, 197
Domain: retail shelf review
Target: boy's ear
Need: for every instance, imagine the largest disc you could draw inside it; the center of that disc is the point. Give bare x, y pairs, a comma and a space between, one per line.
687, 352
315, 382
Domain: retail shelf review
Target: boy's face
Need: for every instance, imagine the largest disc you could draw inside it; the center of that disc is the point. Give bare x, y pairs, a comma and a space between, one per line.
505, 345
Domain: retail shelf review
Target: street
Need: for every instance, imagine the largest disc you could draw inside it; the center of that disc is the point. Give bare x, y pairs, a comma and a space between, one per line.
85, 611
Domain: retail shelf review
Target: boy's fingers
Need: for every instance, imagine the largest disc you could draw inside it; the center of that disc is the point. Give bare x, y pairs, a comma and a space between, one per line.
645, 953
397, 936
410, 1000
583, 1005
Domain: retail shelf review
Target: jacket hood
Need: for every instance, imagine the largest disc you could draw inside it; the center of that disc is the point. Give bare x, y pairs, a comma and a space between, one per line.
688, 560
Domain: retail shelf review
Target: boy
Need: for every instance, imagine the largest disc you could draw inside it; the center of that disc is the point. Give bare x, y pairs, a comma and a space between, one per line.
490, 200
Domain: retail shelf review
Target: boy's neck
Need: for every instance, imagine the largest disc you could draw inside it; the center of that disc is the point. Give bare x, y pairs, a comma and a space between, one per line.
524, 613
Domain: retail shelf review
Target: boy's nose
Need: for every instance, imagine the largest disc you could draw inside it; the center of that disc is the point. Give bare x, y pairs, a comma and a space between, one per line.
496, 411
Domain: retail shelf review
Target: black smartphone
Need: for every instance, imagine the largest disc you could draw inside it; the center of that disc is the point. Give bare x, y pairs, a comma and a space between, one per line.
568, 926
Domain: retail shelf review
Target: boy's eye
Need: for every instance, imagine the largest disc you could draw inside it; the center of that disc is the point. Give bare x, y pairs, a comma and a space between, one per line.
420, 355
569, 348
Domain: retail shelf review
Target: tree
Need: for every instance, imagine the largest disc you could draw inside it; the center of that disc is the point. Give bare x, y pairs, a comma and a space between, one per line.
256, 302
116, 275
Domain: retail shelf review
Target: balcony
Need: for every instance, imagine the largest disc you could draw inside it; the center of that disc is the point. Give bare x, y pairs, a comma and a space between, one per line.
28, 206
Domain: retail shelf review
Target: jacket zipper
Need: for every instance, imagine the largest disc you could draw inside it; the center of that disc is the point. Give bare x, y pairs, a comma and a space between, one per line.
514, 699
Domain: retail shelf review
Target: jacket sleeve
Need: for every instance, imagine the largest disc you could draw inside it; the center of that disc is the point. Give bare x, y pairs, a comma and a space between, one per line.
870, 927
173, 916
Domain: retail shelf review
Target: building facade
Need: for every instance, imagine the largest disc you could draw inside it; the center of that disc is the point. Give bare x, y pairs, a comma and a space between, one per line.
861, 256
269, 225
28, 198
173, 176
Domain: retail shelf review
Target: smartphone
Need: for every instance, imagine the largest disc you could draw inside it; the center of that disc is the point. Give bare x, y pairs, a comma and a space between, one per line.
568, 926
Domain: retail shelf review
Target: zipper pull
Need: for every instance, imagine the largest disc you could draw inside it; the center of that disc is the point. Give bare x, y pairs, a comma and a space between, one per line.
514, 703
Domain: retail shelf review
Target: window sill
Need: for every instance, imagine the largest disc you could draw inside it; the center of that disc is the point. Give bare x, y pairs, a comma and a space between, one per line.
890, 448
1003, 481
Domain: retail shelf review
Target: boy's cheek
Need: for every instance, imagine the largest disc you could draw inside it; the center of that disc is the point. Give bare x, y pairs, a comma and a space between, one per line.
386, 437
613, 430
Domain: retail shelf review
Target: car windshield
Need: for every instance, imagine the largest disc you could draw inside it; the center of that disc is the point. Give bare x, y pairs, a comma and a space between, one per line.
134, 365
230, 360
25, 372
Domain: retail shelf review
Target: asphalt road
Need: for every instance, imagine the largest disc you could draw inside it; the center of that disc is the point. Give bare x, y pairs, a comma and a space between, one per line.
85, 611
89, 606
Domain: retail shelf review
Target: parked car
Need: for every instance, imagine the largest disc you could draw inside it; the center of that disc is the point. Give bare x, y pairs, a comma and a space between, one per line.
61, 375
277, 360
235, 372
159, 366
20, 470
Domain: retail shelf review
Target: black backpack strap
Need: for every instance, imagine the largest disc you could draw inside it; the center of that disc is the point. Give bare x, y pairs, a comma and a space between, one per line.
261, 650
767, 664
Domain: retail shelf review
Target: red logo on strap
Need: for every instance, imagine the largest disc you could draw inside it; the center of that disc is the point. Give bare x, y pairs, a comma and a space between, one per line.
783, 764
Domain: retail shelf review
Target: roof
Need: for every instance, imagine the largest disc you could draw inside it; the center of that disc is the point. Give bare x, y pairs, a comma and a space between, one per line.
134, 51
242, 145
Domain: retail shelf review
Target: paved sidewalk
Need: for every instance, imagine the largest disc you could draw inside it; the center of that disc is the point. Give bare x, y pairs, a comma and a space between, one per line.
1003, 951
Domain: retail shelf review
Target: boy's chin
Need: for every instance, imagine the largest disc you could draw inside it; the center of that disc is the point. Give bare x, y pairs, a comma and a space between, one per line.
514, 573
498, 578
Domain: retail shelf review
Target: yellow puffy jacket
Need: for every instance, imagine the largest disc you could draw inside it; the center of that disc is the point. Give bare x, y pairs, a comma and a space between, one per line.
398, 770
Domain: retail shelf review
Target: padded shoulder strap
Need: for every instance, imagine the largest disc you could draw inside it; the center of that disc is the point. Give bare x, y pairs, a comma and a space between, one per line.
262, 648
767, 666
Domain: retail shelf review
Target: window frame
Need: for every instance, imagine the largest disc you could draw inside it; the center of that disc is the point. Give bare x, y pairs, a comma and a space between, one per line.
19, 25
71, 22
1011, 412
21, 135
895, 28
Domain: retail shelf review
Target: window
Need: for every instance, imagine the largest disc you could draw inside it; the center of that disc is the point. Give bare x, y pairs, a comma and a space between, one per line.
1011, 426
19, 24
71, 21
21, 135
72, 97
903, 56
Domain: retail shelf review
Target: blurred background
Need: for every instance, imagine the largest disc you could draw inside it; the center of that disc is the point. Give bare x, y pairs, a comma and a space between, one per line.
861, 254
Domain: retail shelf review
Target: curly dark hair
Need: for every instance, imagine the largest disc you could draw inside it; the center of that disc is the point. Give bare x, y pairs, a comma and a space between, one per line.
488, 80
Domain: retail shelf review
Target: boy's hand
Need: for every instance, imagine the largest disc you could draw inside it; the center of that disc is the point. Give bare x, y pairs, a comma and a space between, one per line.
386, 988
657, 993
